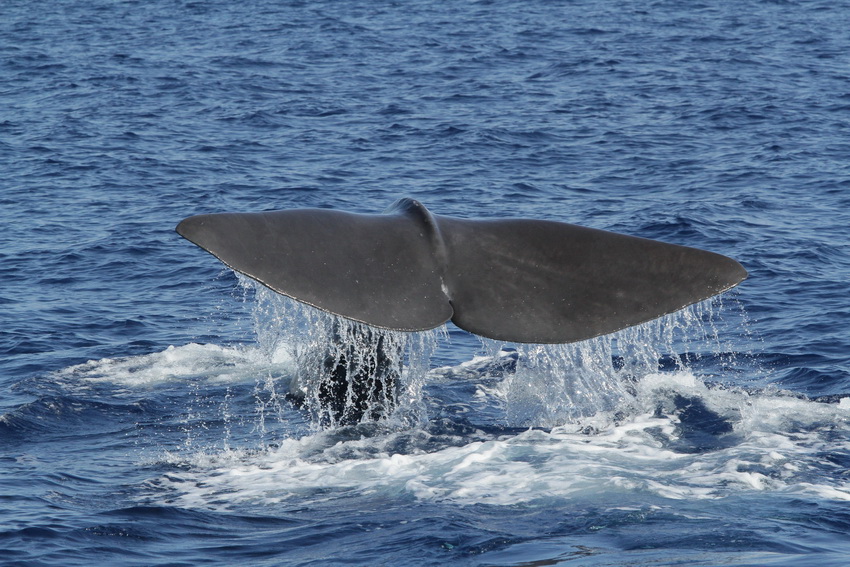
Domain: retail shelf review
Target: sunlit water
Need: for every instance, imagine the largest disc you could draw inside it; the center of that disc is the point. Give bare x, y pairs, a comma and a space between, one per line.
157, 410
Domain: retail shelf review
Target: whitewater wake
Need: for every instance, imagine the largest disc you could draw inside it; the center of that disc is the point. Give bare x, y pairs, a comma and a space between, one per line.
639, 416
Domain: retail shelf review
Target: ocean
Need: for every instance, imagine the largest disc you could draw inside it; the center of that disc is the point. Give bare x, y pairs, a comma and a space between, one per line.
144, 408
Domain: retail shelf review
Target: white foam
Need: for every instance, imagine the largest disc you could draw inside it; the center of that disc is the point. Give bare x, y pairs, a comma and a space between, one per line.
615, 430
779, 444
178, 363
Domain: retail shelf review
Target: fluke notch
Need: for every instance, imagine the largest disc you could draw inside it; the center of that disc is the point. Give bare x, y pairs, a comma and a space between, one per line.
517, 280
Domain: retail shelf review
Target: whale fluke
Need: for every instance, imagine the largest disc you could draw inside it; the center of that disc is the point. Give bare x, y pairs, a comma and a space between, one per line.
517, 280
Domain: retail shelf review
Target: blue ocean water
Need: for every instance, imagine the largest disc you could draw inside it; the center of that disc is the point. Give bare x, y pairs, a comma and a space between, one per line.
143, 415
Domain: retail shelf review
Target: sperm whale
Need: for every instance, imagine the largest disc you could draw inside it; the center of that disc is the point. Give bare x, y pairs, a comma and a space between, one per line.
515, 280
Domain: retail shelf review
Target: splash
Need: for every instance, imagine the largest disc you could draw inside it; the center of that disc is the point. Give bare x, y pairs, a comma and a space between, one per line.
621, 418
565, 383
777, 444
341, 372
345, 372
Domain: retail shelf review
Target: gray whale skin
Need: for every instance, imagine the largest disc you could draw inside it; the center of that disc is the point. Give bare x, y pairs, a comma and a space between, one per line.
516, 280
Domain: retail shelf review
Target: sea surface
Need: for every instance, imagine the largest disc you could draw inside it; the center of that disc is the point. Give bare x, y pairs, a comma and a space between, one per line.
144, 415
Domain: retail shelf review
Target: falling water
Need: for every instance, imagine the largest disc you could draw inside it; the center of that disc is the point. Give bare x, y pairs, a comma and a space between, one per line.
344, 371
554, 384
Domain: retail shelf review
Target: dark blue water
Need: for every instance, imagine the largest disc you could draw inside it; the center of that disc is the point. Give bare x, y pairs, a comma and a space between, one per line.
143, 416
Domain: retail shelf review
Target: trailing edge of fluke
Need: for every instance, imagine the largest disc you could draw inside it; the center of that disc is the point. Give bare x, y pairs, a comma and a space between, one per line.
517, 280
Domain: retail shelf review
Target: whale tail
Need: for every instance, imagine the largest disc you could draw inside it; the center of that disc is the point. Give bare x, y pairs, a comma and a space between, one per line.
516, 280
